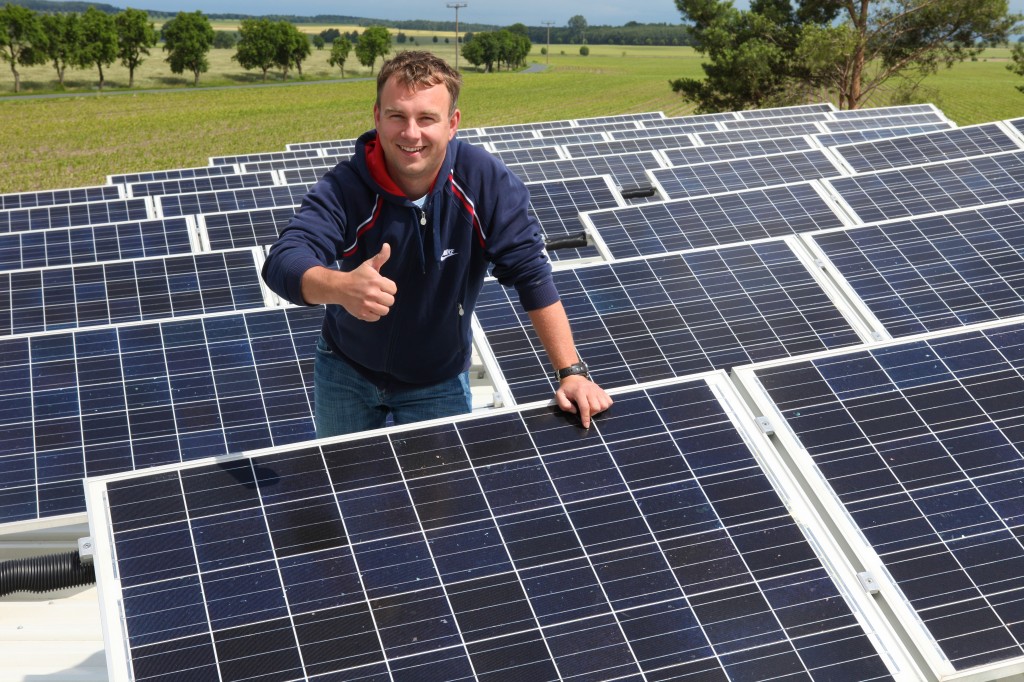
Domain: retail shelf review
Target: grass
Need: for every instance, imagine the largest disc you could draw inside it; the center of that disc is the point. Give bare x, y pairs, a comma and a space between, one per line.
76, 141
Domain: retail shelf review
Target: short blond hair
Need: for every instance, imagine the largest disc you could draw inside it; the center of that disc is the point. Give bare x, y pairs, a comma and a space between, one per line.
416, 68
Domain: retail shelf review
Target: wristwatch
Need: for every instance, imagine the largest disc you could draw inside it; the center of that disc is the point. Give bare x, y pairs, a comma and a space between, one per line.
577, 368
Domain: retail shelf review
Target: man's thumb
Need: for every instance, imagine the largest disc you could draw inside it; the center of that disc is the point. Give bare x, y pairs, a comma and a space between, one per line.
381, 258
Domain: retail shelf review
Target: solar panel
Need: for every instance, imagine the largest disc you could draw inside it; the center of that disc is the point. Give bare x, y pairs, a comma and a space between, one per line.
765, 133
527, 155
55, 197
509, 135
876, 112
320, 144
931, 273
286, 164
591, 128
127, 291
913, 150
231, 200
1017, 124
509, 547
626, 170
311, 175
75, 215
646, 117
713, 221
95, 243
834, 139
882, 121
680, 182
108, 399
787, 111
237, 229
265, 156
692, 118
931, 188
503, 145
735, 150
172, 174
557, 205
776, 120
520, 127
915, 451
642, 144
670, 316
663, 130
192, 185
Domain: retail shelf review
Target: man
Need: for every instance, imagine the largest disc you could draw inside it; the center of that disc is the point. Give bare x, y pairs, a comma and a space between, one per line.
414, 219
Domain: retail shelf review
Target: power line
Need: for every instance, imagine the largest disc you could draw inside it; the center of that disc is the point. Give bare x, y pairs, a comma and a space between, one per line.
547, 52
456, 6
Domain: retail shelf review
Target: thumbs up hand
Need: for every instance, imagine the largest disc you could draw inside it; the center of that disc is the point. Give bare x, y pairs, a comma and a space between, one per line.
364, 292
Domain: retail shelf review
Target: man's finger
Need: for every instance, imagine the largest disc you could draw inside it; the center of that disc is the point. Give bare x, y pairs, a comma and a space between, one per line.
381, 258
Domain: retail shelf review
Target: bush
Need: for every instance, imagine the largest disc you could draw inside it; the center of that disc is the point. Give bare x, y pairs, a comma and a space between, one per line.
584, 50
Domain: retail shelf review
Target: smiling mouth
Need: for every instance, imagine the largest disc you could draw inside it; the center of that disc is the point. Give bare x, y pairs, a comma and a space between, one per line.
411, 150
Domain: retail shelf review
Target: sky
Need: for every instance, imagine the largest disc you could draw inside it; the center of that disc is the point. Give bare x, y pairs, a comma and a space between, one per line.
494, 12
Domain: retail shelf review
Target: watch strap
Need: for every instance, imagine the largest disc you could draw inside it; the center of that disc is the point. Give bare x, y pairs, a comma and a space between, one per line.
575, 369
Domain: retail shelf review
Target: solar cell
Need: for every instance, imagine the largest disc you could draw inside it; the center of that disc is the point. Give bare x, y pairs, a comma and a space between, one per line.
95, 243
75, 215
55, 197
713, 221
231, 200
108, 399
735, 150
931, 188
915, 451
680, 182
913, 150
931, 273
670, 316
127, 291
509, 547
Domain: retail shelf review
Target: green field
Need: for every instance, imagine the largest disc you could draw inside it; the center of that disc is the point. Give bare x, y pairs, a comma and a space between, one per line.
77, 140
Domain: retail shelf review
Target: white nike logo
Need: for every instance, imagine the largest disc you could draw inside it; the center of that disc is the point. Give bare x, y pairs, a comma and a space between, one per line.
447, 253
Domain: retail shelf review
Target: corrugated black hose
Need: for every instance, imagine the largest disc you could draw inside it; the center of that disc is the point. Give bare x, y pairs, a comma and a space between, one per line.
45, 573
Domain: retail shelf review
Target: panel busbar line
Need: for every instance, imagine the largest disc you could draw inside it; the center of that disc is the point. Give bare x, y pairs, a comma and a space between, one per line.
670, 316
915, 450
509, 547
108, 399
931, 273
718, 220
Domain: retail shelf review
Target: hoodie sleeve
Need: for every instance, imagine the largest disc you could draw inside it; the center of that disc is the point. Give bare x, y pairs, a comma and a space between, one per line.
513, 237
314, 236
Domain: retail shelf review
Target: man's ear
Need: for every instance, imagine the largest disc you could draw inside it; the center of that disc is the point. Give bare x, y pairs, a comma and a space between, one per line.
453, 123
376, 115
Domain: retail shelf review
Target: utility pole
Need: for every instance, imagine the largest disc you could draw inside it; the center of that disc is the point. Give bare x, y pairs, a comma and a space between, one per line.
547, 52
456, 6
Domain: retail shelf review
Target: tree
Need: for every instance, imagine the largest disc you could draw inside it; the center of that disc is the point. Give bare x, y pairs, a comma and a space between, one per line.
374, 42
99, 41
187, 39
901, 39
319, 42
578, 29
340, 50
22, 36
295, 48
777, 53
61, 41
224, 40
330, 34
257, 47
1017, 61
135, 35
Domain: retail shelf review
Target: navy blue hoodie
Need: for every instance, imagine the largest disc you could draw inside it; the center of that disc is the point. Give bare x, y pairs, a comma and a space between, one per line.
476, 214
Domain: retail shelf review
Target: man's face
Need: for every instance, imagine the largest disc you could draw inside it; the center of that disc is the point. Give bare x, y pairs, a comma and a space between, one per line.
413, 129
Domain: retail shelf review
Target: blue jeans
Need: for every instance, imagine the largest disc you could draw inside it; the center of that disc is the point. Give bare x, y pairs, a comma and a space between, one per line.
346, 401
